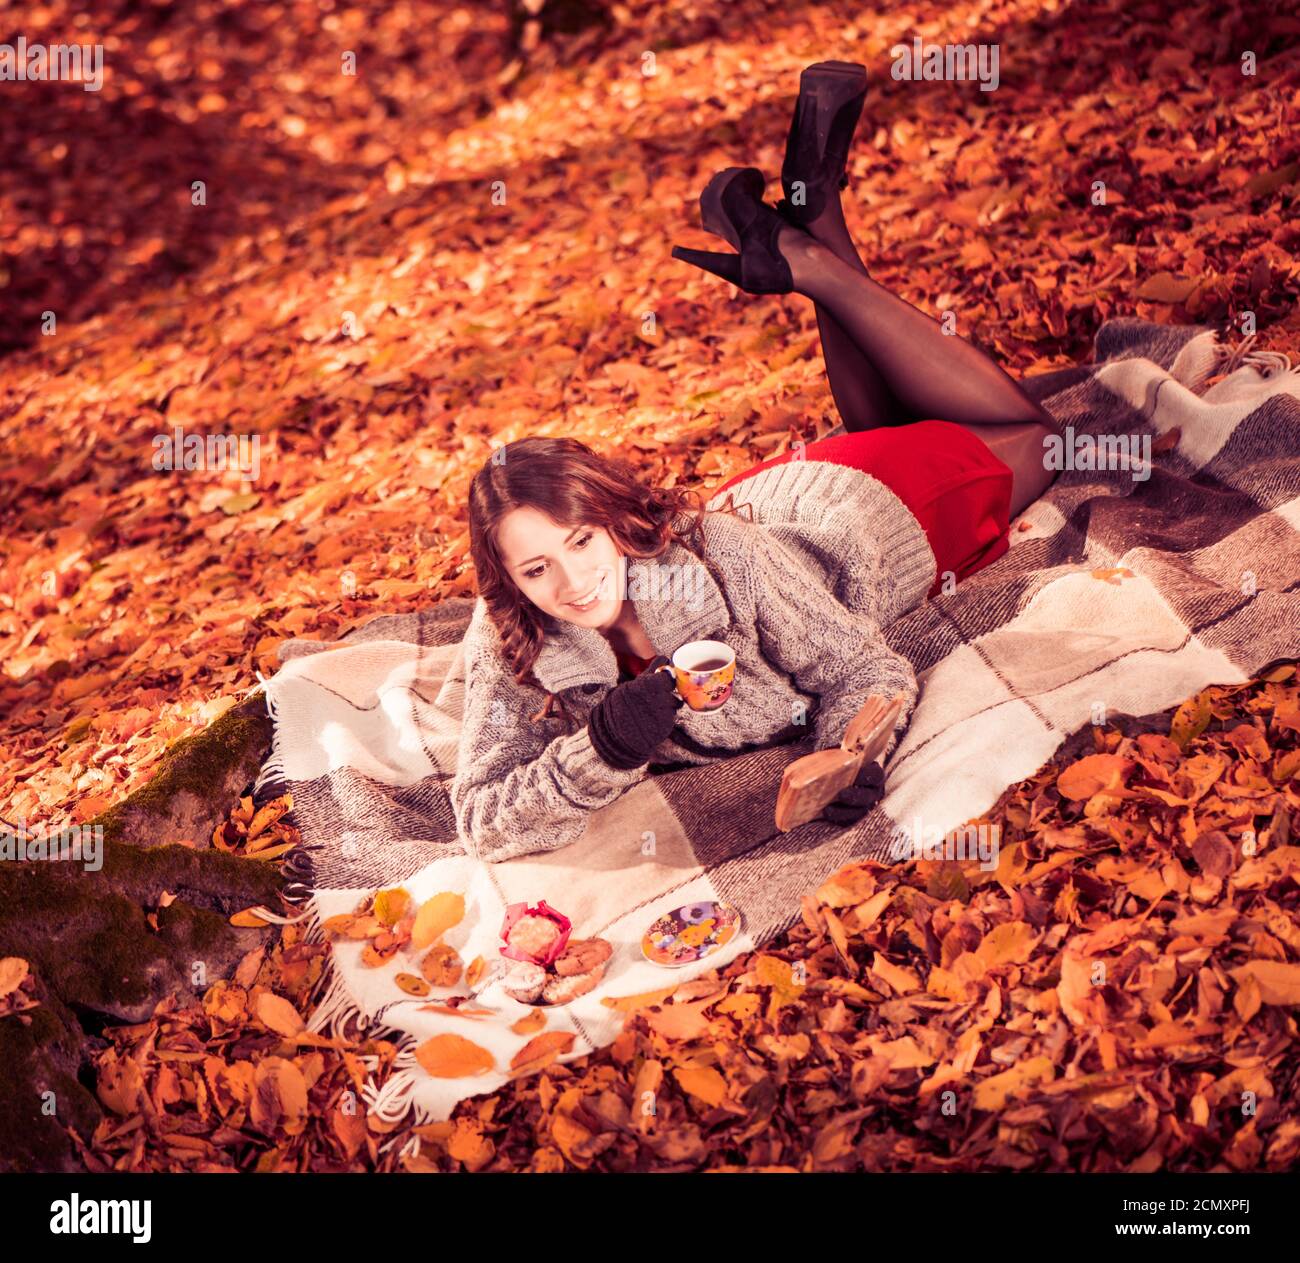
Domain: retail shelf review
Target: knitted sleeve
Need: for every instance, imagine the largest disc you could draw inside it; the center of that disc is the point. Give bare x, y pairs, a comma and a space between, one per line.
826, 648
516, 792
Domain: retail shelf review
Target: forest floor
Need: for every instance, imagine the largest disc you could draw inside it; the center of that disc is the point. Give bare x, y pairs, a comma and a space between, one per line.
383, 274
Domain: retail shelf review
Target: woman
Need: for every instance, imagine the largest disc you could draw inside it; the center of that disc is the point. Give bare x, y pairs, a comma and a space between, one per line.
588, 578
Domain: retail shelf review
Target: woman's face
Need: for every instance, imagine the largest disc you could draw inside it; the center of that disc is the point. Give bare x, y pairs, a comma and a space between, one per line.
554, 566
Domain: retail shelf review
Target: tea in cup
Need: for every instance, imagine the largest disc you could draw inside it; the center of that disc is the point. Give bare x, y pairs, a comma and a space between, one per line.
703, 671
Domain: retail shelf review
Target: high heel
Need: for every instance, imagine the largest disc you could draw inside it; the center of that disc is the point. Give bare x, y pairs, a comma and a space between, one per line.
732, 207
826, 115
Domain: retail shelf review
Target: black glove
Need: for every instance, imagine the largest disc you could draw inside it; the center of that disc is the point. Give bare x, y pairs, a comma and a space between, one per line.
630, 721
854, 801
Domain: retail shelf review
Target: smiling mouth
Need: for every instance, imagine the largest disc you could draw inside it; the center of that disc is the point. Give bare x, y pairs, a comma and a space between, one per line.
593, 597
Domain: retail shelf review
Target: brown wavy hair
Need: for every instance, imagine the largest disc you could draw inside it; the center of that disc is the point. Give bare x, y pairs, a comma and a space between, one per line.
571, 484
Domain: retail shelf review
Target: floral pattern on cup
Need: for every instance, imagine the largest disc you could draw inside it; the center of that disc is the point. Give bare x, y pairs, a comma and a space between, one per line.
704, 690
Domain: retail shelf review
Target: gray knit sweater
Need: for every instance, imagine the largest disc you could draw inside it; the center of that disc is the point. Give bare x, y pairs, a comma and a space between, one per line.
800, 593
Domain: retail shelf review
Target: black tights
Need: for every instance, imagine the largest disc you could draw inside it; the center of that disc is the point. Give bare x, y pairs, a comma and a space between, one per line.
891, 364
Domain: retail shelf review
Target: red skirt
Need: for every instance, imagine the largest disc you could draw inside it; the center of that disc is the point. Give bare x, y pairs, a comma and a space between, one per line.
952, 484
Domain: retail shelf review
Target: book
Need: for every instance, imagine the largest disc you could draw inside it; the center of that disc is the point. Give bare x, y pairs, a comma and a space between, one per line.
811, 782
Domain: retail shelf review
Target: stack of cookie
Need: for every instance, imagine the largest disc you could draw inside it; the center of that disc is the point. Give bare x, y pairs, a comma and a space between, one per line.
550, 968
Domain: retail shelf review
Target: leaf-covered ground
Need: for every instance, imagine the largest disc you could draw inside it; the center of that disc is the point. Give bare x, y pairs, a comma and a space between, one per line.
381, 274
1118, 993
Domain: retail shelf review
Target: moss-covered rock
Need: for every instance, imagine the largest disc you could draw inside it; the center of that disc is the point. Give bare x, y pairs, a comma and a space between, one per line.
41, 1052
199, 778
88, 939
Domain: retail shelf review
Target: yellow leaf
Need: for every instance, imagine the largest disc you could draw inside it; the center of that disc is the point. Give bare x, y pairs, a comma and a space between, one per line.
391, 904
1008, 943
848, 886
680, 1021
994, 1092
467, 1144
240, 504
280, 1096
945, 984
120, 1084
436, 917
866, 914
1247, 999
1113, 575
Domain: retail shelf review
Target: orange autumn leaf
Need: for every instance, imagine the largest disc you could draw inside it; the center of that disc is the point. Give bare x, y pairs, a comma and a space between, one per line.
450, 1056
1277, 982
542, 1049
1010, 942
679, 1021
1190, 720
901, 980
532, 1021
1093, 774
704, 1083
994, 1092
643, 1000
276, 1013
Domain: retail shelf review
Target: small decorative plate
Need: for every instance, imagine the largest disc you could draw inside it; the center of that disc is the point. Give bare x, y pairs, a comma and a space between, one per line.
688, 934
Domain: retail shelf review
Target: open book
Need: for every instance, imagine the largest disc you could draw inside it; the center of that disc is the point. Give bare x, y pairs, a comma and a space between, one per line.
811, 782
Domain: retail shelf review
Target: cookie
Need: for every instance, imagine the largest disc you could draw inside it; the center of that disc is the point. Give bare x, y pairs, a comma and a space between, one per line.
581, 955
524, 982
560, 989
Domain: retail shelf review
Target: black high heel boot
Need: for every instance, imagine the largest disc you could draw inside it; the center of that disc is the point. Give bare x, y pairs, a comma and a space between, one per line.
826, 115
732, 207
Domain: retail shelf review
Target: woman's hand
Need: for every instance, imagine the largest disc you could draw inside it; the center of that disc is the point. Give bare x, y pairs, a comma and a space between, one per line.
631, 720
854, 801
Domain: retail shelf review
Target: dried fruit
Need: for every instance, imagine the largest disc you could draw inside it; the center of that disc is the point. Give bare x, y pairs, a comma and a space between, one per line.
441, 965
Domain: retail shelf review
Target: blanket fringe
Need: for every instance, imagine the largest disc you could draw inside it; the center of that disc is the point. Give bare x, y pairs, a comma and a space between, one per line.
394, 1103
273, 768
1269, 363
335, 1015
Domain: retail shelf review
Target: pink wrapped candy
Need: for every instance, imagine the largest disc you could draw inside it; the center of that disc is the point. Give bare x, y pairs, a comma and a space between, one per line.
537, 934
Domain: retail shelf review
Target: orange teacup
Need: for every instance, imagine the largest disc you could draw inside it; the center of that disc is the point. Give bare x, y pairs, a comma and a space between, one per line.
704, 671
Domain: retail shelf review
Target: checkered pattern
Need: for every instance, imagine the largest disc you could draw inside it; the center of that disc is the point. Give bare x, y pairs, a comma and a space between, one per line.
1200, 584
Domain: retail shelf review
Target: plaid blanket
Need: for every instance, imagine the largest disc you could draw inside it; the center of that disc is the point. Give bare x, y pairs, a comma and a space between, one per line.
1124, 591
